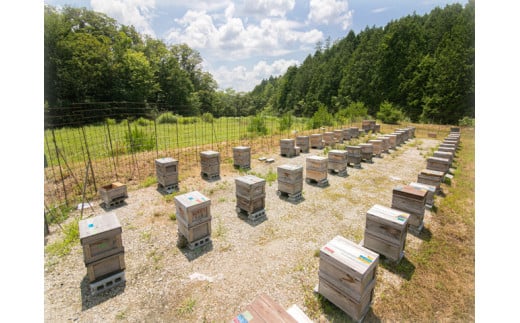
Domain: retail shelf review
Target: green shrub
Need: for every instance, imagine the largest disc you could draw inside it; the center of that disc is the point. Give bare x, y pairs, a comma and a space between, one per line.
353, 111
63, 247
467, 122
257, 125
286, 121
207, 117
389, 114
188, 120
321, 118
167, 117
143, 122
110, 121
139, 140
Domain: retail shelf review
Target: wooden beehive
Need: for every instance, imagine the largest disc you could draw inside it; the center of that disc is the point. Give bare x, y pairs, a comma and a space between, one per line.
366, 125
377, 146
444, 154
404, 135
385, 231
100, 237
429, 188
328, 138
338, 136
347, 273
250, 187
447, 149
250, 206
195, 232
451, 142
316, 168
288, 148
354, 132
242, 157
264, 309
438, 164
411, 200
431, 177
377, 128
354, 155
317, 141
455, 129
167, 171
192, 208
346, 134
113, 192
337, 161
210, 163
105, 267
290, 179
399, 138
367, 151
304, 143
392, 140
386, 143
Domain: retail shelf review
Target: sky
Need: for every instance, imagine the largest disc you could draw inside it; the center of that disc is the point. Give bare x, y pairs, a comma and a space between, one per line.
244, 41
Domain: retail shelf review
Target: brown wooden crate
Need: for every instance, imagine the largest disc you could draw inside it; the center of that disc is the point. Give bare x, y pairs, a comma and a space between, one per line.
113, 191
317, 163
337, 166
410, 192
264, 309
195, 232
430, 188
367, 148
100, 236
377, 146
290, 173
290, 188
166, 162
338, 156
383, 247
103, 267
250, 186
251, 205
438, 164
315, 174
192, 208
387, 224
287, 143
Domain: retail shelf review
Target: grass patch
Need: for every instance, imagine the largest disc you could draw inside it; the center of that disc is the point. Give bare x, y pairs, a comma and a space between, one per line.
169, 198
187, 306
269, 233
147, 182
71, 237
173, 216
269, 177
146, 236
442, 287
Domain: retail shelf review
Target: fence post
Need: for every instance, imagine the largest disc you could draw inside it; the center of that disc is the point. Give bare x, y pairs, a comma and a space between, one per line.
156, 140
59, 165
89, 159
111, 148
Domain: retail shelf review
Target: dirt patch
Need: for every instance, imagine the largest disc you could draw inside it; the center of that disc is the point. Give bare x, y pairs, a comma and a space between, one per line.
277, 256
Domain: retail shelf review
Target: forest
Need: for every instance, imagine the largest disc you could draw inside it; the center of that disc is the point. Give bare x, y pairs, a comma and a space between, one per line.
416, 68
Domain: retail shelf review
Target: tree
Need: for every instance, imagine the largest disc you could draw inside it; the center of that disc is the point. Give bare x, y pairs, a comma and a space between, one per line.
389, 114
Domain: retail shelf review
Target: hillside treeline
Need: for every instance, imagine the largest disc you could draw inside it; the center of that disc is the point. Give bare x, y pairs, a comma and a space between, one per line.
422, 65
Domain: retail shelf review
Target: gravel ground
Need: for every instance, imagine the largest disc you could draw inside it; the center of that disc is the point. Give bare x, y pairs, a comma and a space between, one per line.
277, 256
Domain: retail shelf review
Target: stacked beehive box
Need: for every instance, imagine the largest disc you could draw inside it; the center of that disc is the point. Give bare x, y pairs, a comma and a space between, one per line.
385, 231
411, 200
103, 251
354, 132
338, 136
438, 164
386, 144
346, 134
368, 125
113, 194
354, 156
250, 194
290, 181
367, 151
288, 148
328, 138
264, 309
377, 128
347, 276
399, 138
444, 154
430, 192
317, 141
431, 177
193, 212
455, 129
392, 140
210, 164
404, 134
242, 157
316, 170
304, 143
378, 146
167, 171
337, 162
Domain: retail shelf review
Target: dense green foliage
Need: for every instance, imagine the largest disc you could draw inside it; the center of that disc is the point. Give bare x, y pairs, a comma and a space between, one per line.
388, 113
423, 64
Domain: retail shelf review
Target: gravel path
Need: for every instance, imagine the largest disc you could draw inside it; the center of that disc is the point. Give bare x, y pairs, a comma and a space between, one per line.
277, 256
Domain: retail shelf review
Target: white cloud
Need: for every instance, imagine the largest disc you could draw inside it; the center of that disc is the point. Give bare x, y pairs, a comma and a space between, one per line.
242, 79
128, 12
379, 10
197, 5
325, 12
273, 8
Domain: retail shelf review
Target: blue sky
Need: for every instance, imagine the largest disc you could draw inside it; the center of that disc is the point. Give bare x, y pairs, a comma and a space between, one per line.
245, 41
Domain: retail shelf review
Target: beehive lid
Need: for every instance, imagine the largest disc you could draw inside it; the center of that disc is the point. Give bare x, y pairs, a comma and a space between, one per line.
389, 214
350, 254
209, 153
191, 198
423, 186
375, 141
250, 179
365, 145
432, 172
241, 148
98, 224
337, 152
318, 158
353, 148
410, 190
165, 160
291, 167
286, 140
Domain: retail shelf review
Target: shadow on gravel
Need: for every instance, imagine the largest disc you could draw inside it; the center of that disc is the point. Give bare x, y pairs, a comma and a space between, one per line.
334, 314
243, 216
404, 268
197, 252
425, 234
88, 300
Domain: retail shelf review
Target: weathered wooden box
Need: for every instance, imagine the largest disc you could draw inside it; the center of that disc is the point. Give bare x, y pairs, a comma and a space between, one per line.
451, 150
337, 156
431, 177
451, 142
386, 143
264, 309
114, 191
317, 163
166, 170
315, 175
106, 266
192, 208
438, 164
304, 143
328, 138
196, 232
354, 132
287, 143
338, 136
399, 138
100, 237
377, 146
392, 140
385, 231
412, 201
354, 155
377, 128
444, 154
455, 129
290, 173
288, 148
367, 151
404, 135
242, 156
351, 265
251, 205
290, 188
368, 125
250, 187
317, 141
431, 192
346, 134
210, 163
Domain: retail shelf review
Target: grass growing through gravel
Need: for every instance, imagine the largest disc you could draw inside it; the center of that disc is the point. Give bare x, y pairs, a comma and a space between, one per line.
187, 306
64, 246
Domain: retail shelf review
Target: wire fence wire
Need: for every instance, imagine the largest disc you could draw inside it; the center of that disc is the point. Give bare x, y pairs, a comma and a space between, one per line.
88, 146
